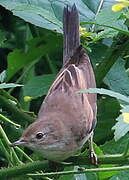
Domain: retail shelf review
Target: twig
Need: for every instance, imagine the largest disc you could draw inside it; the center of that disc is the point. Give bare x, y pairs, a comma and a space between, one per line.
7, 142
98, 10
13, 109
23, 169
76, 160
119, 168
9, 121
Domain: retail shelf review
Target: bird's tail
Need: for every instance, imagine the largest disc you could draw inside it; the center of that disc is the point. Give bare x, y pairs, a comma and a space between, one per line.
71, 32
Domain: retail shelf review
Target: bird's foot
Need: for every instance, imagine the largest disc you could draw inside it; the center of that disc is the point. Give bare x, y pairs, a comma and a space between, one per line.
93, 158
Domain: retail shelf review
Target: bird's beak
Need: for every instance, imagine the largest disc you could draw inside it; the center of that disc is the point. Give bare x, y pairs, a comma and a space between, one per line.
18, 143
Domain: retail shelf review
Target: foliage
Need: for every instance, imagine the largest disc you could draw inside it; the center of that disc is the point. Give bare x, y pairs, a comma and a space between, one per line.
122, 4
31, 56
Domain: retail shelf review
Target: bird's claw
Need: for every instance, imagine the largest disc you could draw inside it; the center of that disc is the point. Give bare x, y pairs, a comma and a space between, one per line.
93, 158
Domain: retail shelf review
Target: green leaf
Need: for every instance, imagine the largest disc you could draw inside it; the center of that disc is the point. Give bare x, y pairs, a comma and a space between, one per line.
121, 128
37, 48
108, 111
48, 14
122, 125
117, 78
98, 53
38, 85
105, 175
109, 19
2, 76
106, 33
114, 147
35, 13
70, 176
106, 92
9, 85
123, 175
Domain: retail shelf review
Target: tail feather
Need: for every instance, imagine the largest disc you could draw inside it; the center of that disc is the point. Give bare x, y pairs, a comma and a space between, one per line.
71, 32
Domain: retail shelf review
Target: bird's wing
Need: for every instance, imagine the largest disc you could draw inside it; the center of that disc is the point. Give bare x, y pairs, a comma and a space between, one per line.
77, 74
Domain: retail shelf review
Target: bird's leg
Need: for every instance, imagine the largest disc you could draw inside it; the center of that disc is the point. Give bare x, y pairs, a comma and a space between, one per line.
93, 155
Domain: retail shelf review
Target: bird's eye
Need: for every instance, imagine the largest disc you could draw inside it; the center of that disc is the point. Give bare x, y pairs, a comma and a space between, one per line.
39, 135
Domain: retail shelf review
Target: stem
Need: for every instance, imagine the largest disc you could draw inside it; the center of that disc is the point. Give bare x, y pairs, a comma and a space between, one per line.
119, 168
28, 75
98, 10
2, 134
126, 150
29, 28
108, 26
9, 121
4, 151
23, 169
8, 96
16, 112
76, 160
23, 153
23, 74
7, 142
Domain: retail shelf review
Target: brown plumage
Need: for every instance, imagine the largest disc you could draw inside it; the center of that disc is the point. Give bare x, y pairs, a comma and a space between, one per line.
66, 119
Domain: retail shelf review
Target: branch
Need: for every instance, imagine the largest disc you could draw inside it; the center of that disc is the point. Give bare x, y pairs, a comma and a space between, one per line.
23, 169
13, 109
3, 118
7, 142
119, 168
76, 160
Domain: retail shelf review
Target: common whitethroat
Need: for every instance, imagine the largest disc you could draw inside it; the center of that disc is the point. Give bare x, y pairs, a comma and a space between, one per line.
66, 119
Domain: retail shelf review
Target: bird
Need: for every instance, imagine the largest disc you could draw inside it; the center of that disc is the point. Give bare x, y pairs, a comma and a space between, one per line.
66, 119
